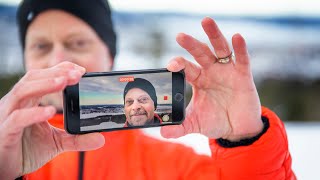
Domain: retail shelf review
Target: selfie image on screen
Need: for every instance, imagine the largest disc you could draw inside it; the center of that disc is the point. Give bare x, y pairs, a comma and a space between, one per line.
118, 101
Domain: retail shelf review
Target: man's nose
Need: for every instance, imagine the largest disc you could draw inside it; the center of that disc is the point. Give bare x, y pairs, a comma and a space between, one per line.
136, 106
58, 55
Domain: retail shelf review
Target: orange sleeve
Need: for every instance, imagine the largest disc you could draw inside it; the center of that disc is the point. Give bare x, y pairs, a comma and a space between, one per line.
266, 158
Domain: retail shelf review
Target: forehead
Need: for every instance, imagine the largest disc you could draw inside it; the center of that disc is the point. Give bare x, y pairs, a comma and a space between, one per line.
57, 23
136, 93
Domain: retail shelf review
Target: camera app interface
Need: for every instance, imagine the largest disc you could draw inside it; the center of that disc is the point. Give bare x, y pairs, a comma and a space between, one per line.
118, 101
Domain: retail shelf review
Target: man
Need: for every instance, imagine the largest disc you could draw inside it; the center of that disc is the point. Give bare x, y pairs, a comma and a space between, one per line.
60, 38
140, 102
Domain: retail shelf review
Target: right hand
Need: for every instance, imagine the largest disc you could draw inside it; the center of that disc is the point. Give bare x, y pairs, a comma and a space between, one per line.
27, 140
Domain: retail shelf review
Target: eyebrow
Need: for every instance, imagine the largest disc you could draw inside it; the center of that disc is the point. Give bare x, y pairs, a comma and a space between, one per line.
76, 34
143, 96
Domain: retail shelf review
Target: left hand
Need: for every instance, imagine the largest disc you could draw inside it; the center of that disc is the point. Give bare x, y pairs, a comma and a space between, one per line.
225, 103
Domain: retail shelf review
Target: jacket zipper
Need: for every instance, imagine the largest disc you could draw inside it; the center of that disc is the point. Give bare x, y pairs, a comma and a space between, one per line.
81, 165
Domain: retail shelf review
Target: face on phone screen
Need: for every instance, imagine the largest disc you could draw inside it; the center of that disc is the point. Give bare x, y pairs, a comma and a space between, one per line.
135, 100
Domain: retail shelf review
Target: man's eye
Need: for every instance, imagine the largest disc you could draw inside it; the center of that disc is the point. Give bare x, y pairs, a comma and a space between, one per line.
143, 100
78, 44
129, 102
41, 46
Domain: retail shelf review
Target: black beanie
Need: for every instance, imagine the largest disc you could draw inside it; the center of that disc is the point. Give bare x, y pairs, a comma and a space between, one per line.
96, 13
143, 85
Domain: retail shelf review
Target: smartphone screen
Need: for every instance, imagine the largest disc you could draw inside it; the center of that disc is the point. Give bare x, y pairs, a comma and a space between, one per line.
123, 100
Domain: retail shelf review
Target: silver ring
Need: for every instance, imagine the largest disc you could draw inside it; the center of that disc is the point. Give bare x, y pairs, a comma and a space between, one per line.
227, 59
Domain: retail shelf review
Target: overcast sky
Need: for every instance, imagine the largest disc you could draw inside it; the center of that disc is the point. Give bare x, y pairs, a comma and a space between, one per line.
220, 7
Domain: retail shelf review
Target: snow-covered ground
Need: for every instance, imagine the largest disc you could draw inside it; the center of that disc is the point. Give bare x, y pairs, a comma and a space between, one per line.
304, 145
104, 125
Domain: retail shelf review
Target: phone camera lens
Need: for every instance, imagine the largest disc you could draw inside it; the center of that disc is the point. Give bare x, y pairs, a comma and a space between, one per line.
178, 97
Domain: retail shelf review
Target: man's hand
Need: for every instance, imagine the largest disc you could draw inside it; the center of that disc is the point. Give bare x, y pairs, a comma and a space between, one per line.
27, 140
225, 103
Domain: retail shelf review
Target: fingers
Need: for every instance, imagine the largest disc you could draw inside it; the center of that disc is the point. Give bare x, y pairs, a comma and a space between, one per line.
218, 41
173, 131
22, 118
68, 142
200, 51
41, 82
240, 49
66, 69
192, 71
38, 88
242, 55
24, 93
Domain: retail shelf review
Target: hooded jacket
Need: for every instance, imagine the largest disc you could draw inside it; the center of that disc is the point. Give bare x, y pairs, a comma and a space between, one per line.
133, 155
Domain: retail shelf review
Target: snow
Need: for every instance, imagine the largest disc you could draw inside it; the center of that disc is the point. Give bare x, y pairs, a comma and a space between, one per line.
104, 125
304, 145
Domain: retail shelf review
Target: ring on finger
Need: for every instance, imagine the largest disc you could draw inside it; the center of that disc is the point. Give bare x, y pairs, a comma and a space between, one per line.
227, 59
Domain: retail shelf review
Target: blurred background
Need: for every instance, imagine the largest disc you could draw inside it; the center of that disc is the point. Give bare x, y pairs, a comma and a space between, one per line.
282, 37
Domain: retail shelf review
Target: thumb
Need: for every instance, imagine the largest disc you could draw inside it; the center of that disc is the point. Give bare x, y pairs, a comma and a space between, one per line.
83, 142
173, 131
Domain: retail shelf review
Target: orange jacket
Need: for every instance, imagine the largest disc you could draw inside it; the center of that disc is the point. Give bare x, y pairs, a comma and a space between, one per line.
132, 155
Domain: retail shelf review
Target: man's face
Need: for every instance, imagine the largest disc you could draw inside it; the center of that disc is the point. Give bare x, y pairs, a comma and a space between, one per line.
56, 36
138, 107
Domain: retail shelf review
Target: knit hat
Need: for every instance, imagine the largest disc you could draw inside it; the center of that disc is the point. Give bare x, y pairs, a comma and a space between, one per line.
96, 13
143, 85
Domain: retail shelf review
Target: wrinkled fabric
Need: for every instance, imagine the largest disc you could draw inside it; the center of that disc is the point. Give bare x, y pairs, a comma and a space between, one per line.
133, 155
